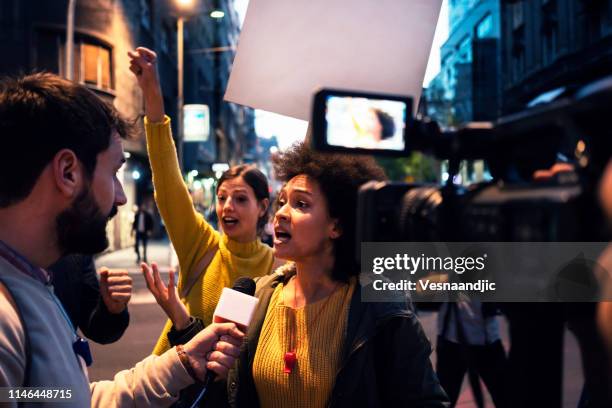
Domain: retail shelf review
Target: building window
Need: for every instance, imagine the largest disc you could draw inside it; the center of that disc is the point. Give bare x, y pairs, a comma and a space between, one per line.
591, 14
518, 53
485, 27
163, 40
549, 49
517, 14
48, 57
445, 60
91, 62
95, 66
5, 16
549, 30
146, 18
465, 49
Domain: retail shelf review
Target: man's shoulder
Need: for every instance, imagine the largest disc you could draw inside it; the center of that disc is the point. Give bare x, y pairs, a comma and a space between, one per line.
9, 311
12, 340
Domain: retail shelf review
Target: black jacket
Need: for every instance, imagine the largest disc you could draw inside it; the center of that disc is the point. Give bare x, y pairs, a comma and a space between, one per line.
75, 283
148, 221
385, 357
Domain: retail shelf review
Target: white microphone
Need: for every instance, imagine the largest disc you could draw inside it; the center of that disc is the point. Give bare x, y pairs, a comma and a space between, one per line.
238, 304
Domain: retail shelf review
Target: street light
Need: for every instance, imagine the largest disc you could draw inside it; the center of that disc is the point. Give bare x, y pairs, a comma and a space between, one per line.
218, 14
70, 40
184, 5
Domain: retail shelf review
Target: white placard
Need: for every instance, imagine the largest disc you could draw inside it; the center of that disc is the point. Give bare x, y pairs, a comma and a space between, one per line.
288, 49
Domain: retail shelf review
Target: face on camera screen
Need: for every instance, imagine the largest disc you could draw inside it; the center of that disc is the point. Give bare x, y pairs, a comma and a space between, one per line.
365, 123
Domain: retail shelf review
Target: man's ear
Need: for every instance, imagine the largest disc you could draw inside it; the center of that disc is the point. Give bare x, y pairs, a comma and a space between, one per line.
336, 230
263, 206
67, 172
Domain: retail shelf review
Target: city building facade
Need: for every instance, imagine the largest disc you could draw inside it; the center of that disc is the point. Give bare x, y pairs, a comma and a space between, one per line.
33, 34
467, 87
549, 44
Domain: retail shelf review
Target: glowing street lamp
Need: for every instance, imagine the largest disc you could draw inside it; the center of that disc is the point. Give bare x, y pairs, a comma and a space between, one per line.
218, 14
184, 6
70, 40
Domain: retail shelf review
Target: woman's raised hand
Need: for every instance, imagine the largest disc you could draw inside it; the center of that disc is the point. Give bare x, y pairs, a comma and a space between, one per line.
143, 63
166, 296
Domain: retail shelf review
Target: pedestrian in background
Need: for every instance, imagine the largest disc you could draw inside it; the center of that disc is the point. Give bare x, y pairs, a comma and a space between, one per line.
142, 227
469, 342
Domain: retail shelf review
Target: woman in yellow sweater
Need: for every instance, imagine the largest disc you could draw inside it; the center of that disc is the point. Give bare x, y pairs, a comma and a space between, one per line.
242, 203
312, 342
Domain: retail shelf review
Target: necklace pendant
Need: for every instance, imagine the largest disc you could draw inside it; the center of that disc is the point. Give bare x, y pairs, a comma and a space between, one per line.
290, 360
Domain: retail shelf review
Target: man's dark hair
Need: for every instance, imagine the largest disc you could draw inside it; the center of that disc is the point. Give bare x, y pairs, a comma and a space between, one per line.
41, 114
339, 177
255, 179
387, 122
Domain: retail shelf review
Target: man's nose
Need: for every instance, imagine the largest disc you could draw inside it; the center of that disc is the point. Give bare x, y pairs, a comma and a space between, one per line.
120, 198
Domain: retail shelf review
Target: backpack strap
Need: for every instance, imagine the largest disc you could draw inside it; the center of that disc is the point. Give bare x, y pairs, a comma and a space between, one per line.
198, 270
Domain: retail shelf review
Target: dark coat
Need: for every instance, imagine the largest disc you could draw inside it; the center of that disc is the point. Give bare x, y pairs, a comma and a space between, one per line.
385, 357
148, 221
75, 283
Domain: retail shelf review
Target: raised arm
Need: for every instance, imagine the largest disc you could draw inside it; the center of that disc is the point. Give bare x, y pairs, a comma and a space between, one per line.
190, 234
143, 63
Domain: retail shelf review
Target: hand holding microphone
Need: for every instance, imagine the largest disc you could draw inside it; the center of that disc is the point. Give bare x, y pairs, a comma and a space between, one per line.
236, 306
214, 350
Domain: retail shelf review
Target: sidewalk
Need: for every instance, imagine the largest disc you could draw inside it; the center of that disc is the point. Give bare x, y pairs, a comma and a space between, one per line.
157, 251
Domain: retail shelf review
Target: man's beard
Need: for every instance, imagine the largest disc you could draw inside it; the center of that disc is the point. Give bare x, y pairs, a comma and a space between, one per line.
81, 228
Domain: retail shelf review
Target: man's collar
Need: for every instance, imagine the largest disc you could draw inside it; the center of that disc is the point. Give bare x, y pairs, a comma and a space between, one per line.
23, 265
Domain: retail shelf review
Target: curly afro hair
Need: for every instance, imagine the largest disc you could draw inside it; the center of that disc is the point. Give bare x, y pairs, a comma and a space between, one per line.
339, 177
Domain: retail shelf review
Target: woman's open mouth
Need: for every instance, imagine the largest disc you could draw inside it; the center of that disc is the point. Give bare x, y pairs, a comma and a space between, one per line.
229, 221
281, 236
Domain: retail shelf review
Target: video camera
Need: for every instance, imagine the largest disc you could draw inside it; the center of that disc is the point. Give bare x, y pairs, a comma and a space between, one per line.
512, 206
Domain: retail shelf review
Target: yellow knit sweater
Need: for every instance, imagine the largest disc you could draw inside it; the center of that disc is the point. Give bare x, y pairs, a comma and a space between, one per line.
192, 236
319, 346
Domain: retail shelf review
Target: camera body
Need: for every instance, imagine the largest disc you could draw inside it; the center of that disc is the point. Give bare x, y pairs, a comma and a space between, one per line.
513, 206
494, 212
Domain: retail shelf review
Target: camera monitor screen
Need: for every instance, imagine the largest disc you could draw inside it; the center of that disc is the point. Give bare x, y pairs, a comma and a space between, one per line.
365, 123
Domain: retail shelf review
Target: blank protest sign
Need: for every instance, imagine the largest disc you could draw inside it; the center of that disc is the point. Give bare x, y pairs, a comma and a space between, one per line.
290, 48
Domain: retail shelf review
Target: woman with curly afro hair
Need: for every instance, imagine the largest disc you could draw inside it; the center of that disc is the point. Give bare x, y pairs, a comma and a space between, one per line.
312, 342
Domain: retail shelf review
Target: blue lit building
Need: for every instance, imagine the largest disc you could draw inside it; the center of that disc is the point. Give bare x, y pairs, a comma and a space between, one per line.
467, 87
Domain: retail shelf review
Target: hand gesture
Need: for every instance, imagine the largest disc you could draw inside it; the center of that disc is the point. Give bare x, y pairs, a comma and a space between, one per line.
143, 63
115, 289
166, 296
215, 348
